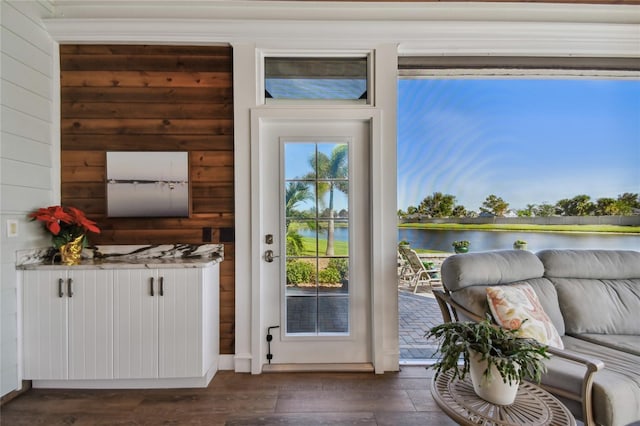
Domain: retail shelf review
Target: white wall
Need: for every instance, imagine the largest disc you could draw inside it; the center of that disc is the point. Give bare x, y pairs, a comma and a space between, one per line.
27, 154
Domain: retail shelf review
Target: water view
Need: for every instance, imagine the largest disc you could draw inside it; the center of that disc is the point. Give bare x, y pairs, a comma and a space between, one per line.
440, 240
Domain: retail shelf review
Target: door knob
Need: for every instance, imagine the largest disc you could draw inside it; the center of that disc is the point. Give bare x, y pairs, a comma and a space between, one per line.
269, 256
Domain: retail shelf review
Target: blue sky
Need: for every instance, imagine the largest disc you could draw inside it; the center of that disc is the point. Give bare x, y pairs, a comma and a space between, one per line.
527, 141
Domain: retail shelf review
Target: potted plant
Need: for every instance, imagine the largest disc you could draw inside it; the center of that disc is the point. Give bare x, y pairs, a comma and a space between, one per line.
520, 245
68, 227
461, 246
496, 358
404, 244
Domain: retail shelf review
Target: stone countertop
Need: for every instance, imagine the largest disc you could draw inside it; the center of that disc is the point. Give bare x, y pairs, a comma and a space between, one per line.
129, 257
127, 264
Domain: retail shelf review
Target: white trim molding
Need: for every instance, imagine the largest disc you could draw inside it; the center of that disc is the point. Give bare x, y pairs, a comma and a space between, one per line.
433, 28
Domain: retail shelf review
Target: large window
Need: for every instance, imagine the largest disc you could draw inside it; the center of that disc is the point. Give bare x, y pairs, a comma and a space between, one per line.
506, 153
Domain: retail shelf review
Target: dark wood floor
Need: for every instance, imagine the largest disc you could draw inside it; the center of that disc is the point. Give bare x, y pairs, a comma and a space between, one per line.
304, 399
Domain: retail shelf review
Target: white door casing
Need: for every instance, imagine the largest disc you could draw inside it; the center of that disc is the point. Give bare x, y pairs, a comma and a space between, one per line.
271, 130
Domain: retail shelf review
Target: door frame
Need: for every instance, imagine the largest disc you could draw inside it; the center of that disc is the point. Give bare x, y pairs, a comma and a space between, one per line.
262, 115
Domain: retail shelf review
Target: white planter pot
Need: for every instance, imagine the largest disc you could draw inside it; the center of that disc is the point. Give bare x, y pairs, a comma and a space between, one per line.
493, 388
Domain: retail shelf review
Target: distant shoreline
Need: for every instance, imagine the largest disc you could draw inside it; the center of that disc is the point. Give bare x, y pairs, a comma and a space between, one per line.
589, 229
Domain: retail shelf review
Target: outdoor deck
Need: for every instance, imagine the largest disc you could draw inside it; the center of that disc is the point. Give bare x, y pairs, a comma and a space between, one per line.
417, 314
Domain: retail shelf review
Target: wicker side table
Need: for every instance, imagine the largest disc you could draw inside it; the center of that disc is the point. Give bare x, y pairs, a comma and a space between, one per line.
533, 405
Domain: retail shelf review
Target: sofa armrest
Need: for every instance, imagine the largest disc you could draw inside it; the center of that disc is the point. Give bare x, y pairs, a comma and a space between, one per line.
450, 310
592, 365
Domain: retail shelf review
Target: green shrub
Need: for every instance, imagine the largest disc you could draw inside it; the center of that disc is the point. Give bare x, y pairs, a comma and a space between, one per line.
341, 265
329, 276
295, 245
299, 271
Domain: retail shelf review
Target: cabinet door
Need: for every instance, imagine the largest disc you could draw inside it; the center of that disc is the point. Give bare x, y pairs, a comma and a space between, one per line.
44, 322
180, 323
135, 324
90, 324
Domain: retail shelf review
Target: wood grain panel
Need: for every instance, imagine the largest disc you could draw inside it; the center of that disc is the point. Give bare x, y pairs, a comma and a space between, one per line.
211, 174
159, 222
146, 236
140, 50
94, 190
152, 98
83, 159
94, 208
83, 174
146, 95
153, 142
144, 79
129, 62
97, 126
211, 158
128, 109
211, 189
200, 205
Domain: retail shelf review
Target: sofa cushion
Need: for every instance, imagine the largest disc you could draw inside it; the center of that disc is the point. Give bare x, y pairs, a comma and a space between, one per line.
616, 388
517, 306
599, 306
622, 342
593, 264
606, 282
490, 268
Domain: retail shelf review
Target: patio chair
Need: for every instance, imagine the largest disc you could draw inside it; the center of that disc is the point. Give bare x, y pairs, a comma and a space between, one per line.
414, 273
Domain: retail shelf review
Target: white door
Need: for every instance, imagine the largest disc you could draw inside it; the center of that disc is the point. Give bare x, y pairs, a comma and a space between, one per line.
315, 231
90, 298
180, 322
135, 333
45, 325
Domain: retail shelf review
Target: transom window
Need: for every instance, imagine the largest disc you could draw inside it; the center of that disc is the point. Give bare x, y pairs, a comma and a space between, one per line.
317, 79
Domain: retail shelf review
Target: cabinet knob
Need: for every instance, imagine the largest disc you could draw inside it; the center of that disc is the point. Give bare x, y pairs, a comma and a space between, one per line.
161, 286
60, 293
69, 291
152, 293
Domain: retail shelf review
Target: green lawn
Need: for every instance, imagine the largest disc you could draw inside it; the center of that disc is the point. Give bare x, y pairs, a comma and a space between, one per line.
340, 248
525, 227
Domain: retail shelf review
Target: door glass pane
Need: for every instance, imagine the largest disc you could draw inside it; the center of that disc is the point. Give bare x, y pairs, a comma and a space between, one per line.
316, 206
300, 199
301, 239
333, 314
301, 314
333, 161
299, 161
333, 200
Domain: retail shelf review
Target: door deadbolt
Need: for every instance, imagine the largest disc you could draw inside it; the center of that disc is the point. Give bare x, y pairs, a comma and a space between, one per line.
269, 256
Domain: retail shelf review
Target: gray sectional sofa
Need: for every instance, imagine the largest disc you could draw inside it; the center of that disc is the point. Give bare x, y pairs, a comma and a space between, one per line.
592, 297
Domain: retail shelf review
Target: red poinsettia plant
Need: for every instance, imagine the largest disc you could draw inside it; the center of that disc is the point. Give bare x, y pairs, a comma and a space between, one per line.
65, 223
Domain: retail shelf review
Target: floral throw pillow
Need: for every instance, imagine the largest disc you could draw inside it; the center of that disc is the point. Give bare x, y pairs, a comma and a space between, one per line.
512, 304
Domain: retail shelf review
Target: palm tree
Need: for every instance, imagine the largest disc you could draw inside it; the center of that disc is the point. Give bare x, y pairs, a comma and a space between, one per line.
327, 170
296, 192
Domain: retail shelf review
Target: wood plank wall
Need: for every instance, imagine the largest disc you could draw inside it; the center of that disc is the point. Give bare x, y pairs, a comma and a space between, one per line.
153, 98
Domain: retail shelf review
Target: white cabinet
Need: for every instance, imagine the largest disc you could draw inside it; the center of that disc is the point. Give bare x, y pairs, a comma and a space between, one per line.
67, 324
165, 322
121, 327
